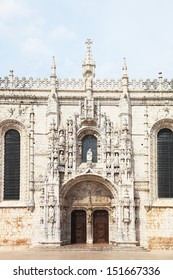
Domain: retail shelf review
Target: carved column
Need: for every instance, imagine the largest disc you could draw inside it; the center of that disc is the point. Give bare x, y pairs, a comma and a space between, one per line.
89, 227
58, 215
146, 142
31, 203
104, 147
75, 145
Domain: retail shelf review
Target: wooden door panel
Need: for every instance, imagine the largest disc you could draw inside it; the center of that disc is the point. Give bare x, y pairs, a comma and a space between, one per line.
100, 226
78, 226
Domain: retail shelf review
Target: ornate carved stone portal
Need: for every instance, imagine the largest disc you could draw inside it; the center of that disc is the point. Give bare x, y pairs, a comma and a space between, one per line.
88, 196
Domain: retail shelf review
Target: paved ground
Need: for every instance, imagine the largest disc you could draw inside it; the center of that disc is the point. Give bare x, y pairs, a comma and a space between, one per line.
25, 254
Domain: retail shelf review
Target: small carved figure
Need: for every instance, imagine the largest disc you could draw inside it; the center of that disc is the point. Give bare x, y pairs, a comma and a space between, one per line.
128, 161
61, 138
124, 124
116, 141
108, 161
55, 165
116, 160
70, 141
89, 215
89, 81
126, 214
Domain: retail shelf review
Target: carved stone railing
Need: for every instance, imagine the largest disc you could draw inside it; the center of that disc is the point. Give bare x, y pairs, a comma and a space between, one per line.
107, 85
159, 84
71, 84
24, 83
150, 85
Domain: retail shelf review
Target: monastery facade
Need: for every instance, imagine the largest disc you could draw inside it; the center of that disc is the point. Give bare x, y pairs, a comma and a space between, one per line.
87, 160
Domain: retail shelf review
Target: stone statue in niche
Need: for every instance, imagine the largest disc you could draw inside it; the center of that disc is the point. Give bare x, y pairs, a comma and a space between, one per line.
70, 141
116, 160
89, 156
126, 217
89, 81
55, 164
61, 138
123, 164
116, 141
108, 161
124, 125
61, 158
89, 212
128, 161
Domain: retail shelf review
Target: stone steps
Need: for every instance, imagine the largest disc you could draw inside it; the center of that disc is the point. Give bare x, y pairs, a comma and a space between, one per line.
88, 247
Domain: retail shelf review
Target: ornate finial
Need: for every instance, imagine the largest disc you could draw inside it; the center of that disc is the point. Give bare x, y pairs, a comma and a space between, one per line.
160, 74
124, 68
88, 64
11, 73
53, 68
11, 76
89, 58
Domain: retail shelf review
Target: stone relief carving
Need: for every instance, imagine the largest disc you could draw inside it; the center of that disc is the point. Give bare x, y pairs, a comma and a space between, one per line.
89, 195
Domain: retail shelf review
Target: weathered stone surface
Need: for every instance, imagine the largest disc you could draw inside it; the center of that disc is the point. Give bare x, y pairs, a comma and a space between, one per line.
53, 116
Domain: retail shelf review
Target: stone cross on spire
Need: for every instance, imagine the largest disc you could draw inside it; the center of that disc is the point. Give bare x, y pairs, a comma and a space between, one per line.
89, 58
88, 64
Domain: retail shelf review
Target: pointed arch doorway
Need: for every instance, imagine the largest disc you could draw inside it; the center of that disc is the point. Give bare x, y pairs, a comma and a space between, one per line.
100, 226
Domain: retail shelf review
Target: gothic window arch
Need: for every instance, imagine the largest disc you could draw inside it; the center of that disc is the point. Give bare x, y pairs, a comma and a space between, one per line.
14, 163
165, 163
11, 165
89, 142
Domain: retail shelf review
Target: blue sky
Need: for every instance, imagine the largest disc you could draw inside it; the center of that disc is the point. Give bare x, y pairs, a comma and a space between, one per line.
32, 31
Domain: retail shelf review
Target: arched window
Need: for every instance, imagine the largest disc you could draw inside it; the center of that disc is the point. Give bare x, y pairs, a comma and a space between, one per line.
89, 142
12, 165
165, 163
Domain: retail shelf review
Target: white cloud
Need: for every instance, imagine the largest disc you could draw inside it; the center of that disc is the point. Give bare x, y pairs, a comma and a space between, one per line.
62, 33
34, 46
13, 8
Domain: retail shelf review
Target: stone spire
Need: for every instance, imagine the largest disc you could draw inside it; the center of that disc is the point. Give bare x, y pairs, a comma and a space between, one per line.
125, 77
124, 68
125, 103
52, 104
88, 64
88, 68
53, 68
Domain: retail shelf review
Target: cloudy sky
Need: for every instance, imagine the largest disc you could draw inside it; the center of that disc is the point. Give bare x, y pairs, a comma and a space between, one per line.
32, 31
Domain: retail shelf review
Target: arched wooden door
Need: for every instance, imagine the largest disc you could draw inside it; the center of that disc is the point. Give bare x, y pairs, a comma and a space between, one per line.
100, 226
78, 226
